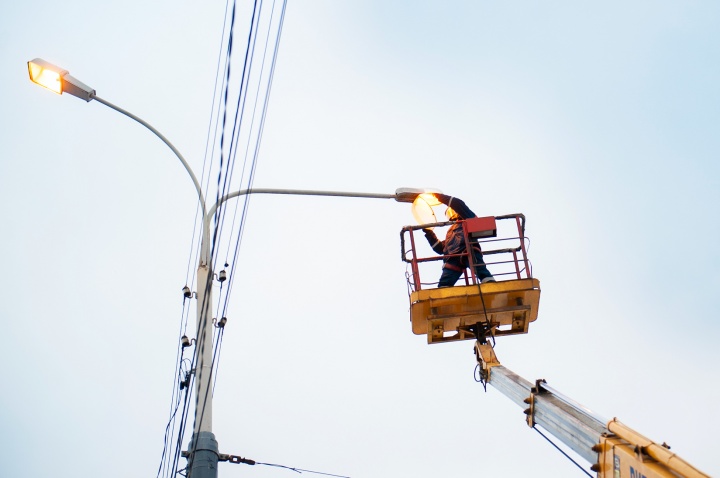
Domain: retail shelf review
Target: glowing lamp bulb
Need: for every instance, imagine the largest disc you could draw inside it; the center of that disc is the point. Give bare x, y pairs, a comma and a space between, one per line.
422, 208
46, 75
430, 199
58, 80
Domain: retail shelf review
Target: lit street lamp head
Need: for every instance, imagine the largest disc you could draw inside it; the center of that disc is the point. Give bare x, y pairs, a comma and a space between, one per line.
58, 80
410, 194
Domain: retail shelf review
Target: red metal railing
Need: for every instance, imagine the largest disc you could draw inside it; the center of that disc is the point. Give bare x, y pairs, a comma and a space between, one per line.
505, 254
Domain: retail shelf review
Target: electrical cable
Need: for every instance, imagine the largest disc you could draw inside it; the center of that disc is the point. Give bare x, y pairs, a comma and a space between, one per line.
220, 212
221, 190
201, 343
205, 162
300, 470
207, 145
179, 421
175, 396
200, 347
208, 286
184, 415
192, 449
217, 367
249, 60
257, 146
169, 431
562, 451
239, 113
213, 257
197, 247
251, 127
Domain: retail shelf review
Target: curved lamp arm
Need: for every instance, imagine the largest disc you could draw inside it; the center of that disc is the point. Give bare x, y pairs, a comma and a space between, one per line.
165, 140
58, 80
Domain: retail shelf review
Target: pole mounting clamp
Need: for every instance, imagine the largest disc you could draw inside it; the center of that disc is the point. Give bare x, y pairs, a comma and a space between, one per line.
235, 459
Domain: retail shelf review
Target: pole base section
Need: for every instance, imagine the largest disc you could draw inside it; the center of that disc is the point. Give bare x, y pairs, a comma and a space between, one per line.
203, 461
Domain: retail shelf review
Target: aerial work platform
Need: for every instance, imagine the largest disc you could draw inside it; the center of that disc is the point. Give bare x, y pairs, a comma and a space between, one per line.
505, 307
450, 313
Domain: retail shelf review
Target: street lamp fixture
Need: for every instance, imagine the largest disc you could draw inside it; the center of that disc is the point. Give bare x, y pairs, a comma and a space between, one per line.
411, 194
58, 80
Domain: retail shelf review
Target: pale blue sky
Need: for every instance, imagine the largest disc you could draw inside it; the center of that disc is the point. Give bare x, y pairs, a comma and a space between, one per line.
599, 122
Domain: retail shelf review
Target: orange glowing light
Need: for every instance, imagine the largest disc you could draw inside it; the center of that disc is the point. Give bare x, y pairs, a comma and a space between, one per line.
46, 75
422, 208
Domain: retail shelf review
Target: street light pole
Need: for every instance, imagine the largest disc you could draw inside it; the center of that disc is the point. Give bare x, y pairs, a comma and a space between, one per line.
203, 450
203, 447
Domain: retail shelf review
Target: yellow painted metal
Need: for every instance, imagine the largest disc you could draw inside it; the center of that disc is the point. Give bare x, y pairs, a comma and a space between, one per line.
445, 314
486, 358
627, 454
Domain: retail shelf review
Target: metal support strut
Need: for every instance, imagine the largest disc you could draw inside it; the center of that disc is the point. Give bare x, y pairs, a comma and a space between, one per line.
484, 352
530, 411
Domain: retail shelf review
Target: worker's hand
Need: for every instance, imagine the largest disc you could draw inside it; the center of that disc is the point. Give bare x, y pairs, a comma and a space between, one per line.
430, 235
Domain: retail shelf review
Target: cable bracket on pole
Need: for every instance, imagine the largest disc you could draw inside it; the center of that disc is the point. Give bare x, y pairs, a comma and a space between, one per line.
235, 459
247, 461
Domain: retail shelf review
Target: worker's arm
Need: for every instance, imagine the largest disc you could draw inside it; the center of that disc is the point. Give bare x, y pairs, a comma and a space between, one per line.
457, 204
436, 244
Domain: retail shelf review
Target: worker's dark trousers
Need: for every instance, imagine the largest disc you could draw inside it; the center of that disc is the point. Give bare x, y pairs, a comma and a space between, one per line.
449, 277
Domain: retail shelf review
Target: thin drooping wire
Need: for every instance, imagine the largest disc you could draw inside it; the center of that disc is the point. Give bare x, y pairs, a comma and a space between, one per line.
239, 110
183, 423
252, 124
300, 470
215, 359
190, 381
175, 396
199, 349
225, 171
562, 451
215, 362
185, 319
218, 341
256, 152
221, 191
228, 69
215, 241
169, 432
184, 415
205, 397
241, 107
213, 120
221, 334
200, 345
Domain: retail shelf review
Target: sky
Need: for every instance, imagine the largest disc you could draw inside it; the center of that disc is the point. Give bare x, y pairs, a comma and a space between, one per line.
598, 121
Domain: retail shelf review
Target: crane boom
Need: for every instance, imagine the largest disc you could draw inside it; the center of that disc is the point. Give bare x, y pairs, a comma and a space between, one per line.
614, 449
568, 423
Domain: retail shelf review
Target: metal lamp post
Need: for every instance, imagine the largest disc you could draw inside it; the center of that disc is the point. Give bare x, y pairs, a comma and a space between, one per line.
203, 448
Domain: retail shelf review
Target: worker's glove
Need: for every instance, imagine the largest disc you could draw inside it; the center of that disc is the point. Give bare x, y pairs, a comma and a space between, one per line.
430, 235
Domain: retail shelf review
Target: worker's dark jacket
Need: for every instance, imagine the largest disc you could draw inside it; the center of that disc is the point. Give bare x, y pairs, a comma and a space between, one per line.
454, 242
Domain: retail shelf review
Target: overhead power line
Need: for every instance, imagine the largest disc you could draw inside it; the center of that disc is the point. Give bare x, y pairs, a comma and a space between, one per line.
245, 100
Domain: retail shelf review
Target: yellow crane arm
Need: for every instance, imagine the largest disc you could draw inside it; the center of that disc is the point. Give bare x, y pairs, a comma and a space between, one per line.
613, 449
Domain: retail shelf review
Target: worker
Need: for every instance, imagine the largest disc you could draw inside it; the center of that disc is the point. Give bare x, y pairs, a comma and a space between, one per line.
454, 243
